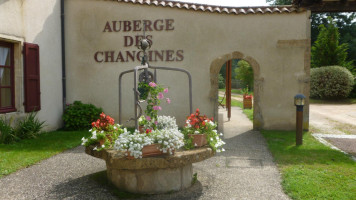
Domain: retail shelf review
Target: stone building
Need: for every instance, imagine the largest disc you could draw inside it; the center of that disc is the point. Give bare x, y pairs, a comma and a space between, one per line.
99, 42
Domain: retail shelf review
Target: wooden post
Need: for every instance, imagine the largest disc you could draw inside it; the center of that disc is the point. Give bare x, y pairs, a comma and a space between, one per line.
299, 124
228, 89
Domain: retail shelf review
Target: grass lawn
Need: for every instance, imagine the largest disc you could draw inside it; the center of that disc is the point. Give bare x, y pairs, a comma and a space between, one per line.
28, 152
236, 103
312, 171
342, 101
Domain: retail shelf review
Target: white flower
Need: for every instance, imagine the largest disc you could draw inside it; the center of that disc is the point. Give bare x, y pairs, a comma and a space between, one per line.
221, 134
222, 149
103, 146
196, 132
95, 149
195, 144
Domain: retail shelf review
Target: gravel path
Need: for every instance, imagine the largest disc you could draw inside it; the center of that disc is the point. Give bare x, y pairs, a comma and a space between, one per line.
333, 119
244, 171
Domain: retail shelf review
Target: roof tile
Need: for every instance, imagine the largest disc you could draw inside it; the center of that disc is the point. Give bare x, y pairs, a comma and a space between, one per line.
211, 8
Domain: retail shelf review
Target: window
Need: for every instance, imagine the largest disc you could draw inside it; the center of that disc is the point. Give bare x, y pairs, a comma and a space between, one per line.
7, 101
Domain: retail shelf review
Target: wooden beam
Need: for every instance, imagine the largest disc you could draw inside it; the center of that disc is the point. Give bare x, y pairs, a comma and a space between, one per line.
228, 88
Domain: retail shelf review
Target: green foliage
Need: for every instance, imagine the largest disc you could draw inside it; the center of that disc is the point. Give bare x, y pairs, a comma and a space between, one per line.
353, 91
332, 82
195, 178
221, 82
326, 50
312, 170
188, 141
7, 133
233, 67
244, 73
30, 127
279, 2
346, 24
144, 89
78, 116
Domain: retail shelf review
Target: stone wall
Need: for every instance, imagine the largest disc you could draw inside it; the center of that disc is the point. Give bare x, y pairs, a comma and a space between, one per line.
276, 45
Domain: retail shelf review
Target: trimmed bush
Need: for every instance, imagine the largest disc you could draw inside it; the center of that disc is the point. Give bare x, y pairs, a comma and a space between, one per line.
331, 82
78, 116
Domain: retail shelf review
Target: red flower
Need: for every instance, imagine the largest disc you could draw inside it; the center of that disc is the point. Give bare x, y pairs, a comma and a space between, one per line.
148, 131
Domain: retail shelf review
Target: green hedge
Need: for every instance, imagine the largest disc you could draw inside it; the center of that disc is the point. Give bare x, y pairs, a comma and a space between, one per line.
331, 82
79, 116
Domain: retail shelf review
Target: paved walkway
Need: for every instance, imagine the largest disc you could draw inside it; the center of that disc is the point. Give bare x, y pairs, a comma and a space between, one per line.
244, 171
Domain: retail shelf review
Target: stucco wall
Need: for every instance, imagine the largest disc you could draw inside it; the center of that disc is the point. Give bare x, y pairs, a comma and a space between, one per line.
38, 22
204, 38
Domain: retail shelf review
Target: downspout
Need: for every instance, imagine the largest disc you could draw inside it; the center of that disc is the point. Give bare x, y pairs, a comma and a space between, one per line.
64, 93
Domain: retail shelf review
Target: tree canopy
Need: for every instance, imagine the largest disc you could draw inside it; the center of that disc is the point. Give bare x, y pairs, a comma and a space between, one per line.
326, 50
244, 73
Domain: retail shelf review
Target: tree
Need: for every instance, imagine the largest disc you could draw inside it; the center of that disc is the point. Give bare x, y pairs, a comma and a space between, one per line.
279, 2
326, 50
244, 73
346, 24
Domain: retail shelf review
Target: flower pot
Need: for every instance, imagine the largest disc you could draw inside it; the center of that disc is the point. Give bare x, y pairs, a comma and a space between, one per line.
199, 139
247, 102
141, 129
102, 141
148, 151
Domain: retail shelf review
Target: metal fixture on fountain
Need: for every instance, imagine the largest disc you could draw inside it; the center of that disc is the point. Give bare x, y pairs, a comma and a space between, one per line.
147, 76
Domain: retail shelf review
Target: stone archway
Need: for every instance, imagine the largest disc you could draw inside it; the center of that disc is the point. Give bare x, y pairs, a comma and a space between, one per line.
215, 67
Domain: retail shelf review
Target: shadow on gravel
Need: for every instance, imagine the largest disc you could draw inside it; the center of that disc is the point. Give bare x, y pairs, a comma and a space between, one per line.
97, 186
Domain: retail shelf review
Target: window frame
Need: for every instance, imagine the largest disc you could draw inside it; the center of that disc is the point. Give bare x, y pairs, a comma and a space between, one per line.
12, 77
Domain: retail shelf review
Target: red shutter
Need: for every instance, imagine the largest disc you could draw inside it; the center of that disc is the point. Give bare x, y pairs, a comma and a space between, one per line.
32, 77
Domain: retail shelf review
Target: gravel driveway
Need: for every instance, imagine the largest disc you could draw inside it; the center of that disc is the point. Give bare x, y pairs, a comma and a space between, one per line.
333, 119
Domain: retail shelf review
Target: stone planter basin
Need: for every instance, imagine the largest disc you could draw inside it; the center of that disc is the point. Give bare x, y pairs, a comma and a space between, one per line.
151, 175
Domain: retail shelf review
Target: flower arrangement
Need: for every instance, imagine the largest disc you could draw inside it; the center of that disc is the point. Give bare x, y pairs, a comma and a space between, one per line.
168, 139
198, 124
133, 143
245, 93
153, 102
103, 132
166, 122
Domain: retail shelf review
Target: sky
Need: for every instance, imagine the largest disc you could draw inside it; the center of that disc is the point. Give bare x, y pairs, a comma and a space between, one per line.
234, 3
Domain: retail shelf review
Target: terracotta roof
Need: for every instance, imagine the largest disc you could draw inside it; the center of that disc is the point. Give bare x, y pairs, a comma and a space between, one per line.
213, 8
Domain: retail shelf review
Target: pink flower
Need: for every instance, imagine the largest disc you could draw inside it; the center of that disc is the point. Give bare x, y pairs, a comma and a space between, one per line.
156, 122
165, 90
168, 100
152, 84
148, 118
157, 108
160, 95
